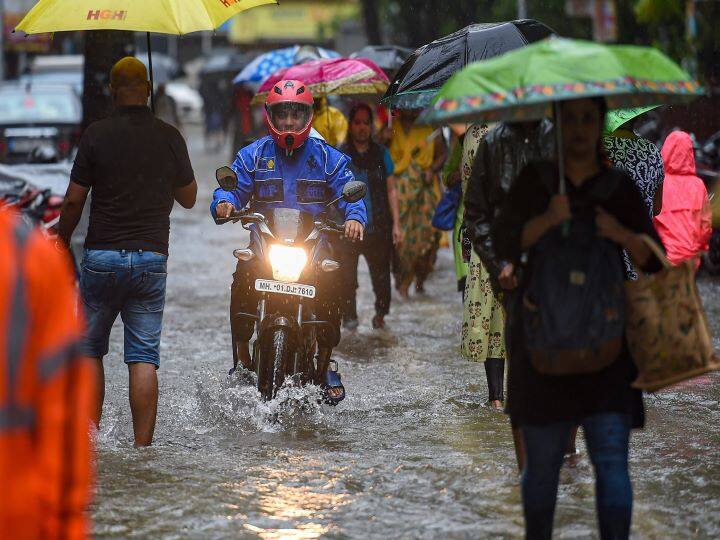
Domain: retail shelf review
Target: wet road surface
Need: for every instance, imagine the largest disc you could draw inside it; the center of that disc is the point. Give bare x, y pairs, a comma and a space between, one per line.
411, 453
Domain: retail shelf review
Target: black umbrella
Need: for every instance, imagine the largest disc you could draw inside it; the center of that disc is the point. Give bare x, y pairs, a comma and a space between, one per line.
427, 69
389, 58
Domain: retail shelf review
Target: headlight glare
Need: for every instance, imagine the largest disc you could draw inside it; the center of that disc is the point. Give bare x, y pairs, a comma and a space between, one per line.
287, 262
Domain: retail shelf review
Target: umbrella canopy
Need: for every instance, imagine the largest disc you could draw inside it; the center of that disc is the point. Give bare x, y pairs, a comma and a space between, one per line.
430, 66
339, 76
521, 85
617, 117
389, 58
166, 17
266, 64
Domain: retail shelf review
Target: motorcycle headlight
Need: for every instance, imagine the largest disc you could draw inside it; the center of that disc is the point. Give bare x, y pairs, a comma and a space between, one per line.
287, 262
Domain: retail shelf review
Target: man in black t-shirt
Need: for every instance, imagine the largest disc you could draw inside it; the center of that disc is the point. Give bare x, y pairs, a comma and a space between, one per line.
136, 166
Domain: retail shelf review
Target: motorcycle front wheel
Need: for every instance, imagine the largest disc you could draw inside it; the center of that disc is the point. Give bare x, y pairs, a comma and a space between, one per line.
275, 362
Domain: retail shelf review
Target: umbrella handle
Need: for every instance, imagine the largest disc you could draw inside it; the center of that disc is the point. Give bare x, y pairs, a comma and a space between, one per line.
562, 187
152, 82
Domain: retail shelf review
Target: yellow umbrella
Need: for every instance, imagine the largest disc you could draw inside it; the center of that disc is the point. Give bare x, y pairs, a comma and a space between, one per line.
163, 17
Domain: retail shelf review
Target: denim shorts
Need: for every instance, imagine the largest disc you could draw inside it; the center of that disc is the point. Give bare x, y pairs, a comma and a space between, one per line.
131, 284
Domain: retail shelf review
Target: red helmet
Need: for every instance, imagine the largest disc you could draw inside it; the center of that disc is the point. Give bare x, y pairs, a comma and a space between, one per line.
289, 113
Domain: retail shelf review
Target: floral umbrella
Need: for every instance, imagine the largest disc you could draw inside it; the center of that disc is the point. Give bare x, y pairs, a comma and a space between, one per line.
523, 84
528, 83
337, 76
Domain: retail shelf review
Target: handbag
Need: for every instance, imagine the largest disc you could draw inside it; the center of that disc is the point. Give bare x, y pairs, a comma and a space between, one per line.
666, 328
446, 210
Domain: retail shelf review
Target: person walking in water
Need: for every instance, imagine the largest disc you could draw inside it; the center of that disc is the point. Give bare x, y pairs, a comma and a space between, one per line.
371, 164
418, 158
137, 166
602, 203
641, 159
501, 154
685, 222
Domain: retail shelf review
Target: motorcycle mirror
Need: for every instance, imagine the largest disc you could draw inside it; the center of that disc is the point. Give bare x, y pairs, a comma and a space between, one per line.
226, 178
354, 191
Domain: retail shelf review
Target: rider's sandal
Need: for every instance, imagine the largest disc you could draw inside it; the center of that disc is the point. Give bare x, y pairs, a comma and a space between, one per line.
333, 380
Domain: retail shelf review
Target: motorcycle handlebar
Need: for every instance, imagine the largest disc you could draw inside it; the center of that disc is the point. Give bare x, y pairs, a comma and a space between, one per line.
326, 226
242, 216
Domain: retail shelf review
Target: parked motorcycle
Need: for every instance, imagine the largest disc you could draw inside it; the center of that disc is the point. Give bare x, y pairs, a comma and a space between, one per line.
287, 242
38, 206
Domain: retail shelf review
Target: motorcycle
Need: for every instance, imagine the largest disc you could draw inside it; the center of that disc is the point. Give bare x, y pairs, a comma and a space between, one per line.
37, 206
287, 242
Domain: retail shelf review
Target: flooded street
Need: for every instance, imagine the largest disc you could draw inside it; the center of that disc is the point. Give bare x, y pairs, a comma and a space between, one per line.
411, 453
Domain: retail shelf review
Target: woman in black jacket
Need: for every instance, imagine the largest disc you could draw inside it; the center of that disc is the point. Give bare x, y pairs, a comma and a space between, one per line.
546, 407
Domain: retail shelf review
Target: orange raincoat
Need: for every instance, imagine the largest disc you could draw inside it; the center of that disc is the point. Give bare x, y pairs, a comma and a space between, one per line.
47, 391
685, 222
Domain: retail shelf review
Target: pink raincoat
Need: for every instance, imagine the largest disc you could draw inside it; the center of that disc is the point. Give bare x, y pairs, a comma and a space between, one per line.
685, 222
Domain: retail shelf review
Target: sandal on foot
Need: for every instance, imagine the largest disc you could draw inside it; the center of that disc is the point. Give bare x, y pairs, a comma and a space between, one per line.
333, 381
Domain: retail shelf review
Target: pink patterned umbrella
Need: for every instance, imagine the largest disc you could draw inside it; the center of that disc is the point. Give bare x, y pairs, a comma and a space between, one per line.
338, 76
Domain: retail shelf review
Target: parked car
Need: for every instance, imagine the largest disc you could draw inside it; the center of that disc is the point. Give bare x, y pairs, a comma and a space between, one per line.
38, 116
63, 77
56, 69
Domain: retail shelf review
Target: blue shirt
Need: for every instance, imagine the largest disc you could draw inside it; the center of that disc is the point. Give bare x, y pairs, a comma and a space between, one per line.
312, 176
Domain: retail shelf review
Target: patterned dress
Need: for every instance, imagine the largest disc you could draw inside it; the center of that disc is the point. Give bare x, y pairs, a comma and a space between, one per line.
482, 334
412, 154
641, 159
461, 243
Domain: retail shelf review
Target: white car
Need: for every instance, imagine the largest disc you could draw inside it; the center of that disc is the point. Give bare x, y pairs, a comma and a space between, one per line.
189, 101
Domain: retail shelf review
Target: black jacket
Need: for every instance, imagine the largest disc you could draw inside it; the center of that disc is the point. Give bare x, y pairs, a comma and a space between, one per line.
501, 156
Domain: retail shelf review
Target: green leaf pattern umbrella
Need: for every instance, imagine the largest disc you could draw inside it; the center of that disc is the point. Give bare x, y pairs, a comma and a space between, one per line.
523, 84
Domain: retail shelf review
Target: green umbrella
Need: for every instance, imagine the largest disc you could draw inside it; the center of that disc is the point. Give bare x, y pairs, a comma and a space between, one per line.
617, 117
524, 83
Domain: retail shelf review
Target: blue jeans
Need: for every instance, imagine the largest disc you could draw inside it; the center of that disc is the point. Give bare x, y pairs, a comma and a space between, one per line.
131, 284
607, 436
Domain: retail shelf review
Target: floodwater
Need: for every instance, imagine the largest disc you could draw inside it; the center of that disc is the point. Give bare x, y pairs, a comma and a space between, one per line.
411, 453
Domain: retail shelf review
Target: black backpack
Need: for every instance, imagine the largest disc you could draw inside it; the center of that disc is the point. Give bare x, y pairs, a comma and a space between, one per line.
573, 309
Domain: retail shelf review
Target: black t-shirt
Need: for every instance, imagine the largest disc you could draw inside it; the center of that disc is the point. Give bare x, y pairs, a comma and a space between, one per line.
133, 162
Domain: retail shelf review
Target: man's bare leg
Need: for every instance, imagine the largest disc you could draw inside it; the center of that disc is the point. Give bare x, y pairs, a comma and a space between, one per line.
143, 401
100, 369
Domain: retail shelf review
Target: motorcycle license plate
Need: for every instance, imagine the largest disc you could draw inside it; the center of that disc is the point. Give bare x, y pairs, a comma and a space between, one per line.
268, 285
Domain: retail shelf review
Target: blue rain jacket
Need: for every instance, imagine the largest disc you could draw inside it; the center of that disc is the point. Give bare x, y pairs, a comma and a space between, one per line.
312, 176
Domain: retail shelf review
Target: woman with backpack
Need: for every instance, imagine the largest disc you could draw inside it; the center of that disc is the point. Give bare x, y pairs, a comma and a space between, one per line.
569, 363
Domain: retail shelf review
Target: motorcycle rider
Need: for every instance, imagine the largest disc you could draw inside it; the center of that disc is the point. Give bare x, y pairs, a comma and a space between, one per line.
289, 169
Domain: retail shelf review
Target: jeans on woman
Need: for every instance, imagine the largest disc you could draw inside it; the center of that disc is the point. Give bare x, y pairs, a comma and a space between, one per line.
607, 437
